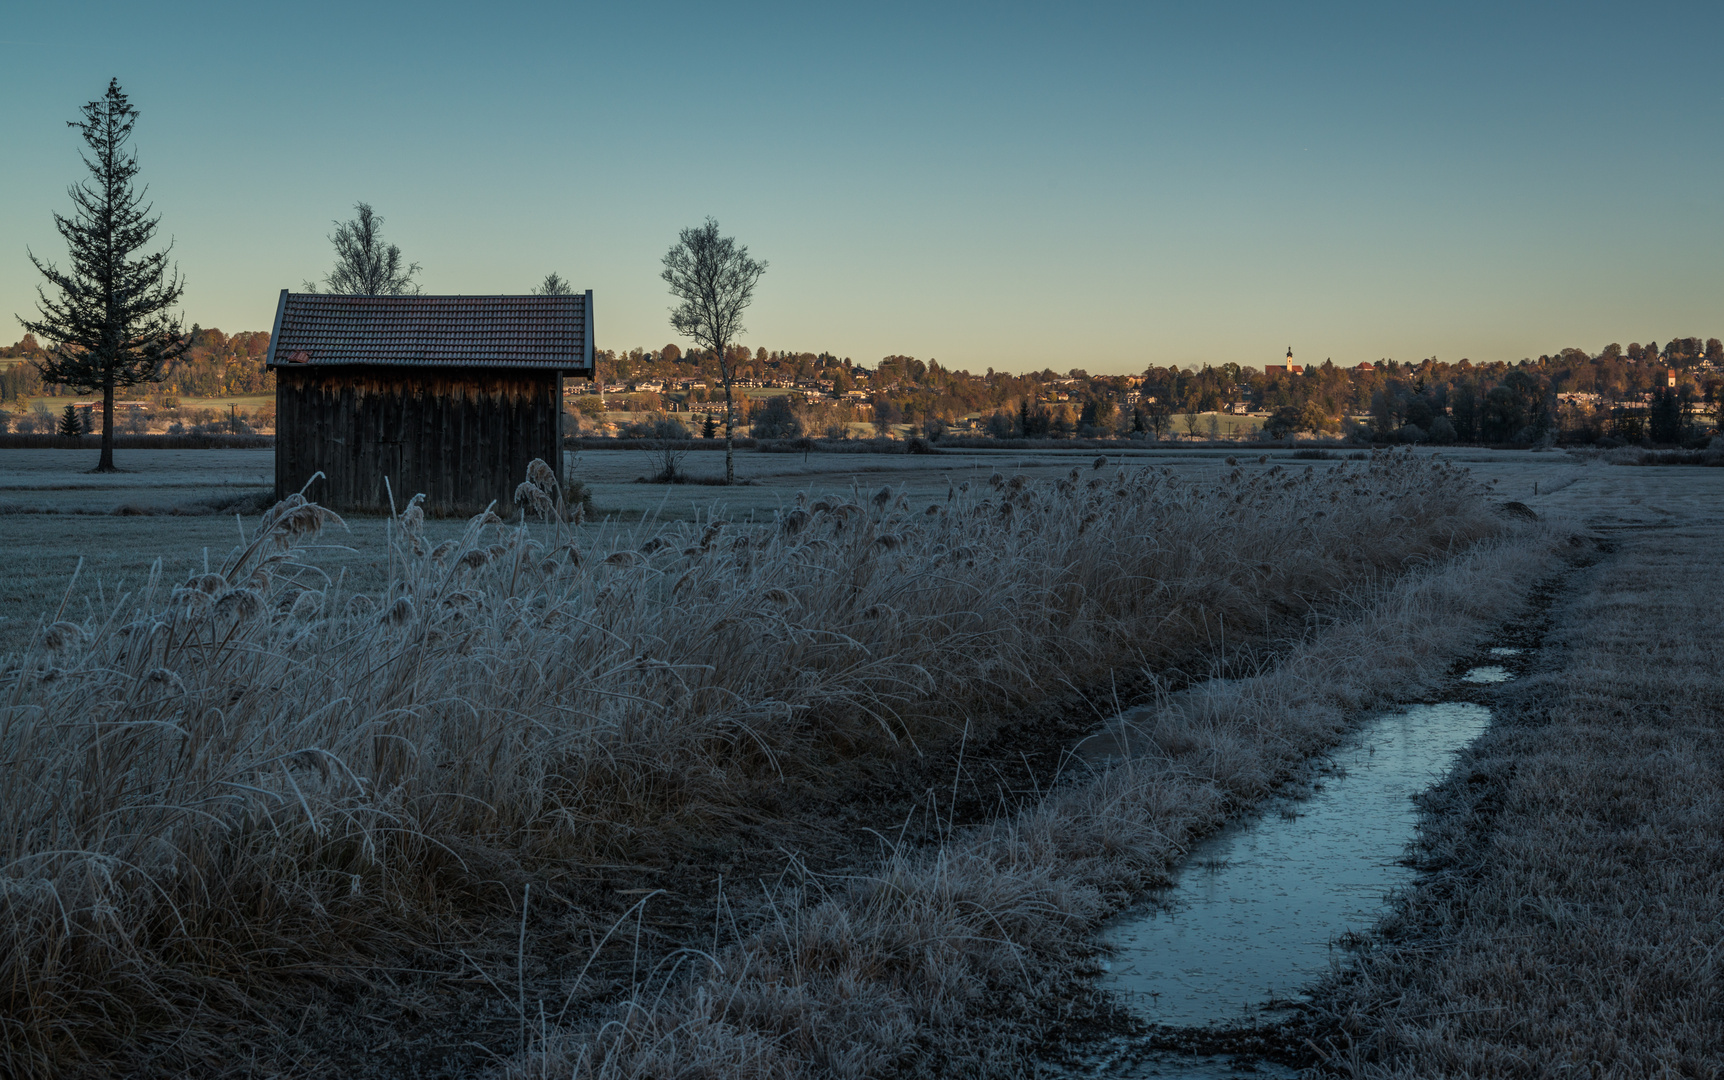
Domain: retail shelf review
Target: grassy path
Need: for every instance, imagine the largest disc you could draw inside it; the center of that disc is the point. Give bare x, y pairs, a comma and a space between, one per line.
1572, 920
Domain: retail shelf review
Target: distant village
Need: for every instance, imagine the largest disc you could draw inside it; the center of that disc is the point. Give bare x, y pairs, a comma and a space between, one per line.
1665, 393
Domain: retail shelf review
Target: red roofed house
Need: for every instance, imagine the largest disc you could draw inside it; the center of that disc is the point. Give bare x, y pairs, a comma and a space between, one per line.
449, 396
1289, 368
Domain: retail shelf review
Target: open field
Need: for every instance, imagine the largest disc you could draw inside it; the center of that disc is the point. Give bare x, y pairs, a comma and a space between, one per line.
246, 402
464, 821
61, 480
53, 511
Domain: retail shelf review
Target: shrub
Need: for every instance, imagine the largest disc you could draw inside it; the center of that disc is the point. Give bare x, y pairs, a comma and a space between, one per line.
670, 457
577, 494
776, 421
1284, 422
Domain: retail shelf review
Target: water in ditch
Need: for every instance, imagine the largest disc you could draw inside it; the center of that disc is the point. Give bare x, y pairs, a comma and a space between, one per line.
1257, 907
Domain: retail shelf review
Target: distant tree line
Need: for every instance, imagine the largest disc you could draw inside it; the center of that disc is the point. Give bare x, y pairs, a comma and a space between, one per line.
1573, 395
215, 365
1666, 395
1620, 393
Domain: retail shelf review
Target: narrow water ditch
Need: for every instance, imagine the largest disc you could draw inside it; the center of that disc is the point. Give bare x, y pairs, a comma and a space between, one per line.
1203, 973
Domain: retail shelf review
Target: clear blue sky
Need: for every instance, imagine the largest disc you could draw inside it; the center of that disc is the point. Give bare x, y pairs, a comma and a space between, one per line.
1097, 186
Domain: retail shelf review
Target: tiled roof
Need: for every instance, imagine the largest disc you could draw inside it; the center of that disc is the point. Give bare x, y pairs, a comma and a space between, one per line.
545, 332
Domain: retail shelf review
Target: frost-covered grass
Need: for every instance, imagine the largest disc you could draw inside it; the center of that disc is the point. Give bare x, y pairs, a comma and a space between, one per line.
256, 772
954, 958
1571, 919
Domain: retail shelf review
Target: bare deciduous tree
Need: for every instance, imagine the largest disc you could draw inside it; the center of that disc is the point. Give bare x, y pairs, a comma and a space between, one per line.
109, 324
714, 279
553, 285
364, 265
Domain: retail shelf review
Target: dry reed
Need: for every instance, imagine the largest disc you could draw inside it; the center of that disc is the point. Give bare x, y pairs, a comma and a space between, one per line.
258, 773
955, 959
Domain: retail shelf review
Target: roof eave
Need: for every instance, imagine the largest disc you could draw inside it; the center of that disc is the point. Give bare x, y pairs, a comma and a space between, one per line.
275, 328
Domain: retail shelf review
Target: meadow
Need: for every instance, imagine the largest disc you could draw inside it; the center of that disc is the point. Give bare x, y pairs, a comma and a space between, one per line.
174, 503
770, 780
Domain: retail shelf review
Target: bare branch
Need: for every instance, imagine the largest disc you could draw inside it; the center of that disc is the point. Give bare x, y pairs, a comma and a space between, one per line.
714, 278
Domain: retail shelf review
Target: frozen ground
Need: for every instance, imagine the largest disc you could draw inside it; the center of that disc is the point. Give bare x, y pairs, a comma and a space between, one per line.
53, 511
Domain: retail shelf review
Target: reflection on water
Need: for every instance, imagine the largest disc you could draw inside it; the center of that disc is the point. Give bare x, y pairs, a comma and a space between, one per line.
1504, 650
1256, 907
1489, 673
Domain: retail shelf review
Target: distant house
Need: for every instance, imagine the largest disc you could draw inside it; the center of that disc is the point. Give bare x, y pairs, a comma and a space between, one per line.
448, 396
119, 405
1289, 368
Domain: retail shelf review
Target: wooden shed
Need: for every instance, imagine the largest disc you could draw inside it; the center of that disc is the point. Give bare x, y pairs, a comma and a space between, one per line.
449, 396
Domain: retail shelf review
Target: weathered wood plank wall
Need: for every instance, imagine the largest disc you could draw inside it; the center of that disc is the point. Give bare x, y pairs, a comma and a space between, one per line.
463, 436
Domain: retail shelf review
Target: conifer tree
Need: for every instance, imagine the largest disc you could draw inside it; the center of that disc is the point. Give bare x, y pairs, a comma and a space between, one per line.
70, 424
109, 323
364, 264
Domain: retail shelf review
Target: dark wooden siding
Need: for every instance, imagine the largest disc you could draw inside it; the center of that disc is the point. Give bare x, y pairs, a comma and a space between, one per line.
462, 436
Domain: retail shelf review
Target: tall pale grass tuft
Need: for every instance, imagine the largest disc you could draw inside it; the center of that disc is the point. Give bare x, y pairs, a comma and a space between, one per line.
262, 772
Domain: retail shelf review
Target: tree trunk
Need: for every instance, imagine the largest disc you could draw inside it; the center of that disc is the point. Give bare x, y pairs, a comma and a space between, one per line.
106, 464
729, 434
